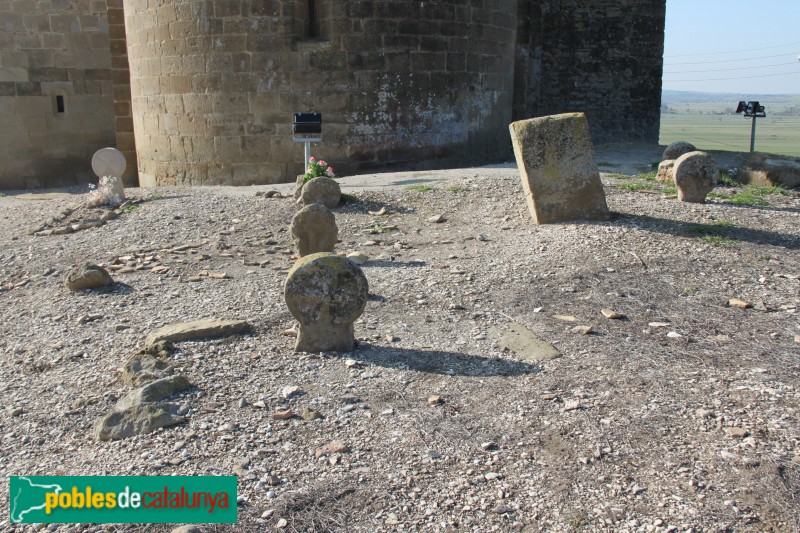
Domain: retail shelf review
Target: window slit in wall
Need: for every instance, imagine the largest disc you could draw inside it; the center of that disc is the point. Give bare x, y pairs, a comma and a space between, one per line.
60, 103
312, 19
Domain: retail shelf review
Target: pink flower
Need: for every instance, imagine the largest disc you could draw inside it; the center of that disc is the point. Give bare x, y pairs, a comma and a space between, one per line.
329, 169
311, 159
322, 163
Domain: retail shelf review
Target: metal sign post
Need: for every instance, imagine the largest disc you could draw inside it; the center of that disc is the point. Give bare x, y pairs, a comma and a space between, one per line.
309, 126
752, 110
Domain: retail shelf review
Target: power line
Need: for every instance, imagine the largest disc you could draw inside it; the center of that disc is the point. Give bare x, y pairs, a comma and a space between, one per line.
731, 60
743, 77
725, 69
732, 51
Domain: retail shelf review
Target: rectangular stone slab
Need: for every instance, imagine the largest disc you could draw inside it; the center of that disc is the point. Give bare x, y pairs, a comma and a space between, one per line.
556, 161
199, 329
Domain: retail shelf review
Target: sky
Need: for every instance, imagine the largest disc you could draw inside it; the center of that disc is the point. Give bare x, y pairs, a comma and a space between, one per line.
732, 46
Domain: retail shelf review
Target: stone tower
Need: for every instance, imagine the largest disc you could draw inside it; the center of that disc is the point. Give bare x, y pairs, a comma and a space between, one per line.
207, 88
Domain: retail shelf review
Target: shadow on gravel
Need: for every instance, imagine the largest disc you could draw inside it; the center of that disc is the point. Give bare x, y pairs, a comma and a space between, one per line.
695, 230
395, 264
447, 363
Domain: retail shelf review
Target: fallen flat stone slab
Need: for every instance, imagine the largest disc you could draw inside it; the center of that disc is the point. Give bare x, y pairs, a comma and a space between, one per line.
525, 343
155, 391
136, 420
196, 330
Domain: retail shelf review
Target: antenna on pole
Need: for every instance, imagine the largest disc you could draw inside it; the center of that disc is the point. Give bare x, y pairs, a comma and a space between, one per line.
751, 110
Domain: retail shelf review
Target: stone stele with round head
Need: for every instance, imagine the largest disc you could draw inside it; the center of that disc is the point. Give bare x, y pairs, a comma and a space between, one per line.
326, 293
314, 230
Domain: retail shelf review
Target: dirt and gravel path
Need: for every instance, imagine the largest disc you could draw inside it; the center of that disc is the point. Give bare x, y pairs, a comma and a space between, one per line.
684, 415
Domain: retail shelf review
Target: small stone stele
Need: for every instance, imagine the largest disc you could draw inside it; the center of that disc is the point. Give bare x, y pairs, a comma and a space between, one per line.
665, 169
677, 149
323, 191
556, 160
326, 293
87, 276
695, 173
314, 230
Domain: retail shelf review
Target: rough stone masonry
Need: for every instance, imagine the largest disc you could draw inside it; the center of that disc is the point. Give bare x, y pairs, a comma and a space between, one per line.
202, 92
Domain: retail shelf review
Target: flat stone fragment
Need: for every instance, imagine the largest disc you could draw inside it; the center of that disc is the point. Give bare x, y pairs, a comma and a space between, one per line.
677, 149
155, 391
695, 174
196, 330
326, 293
665, 169
314, 230
143, 367
765, 172
136, 420
525, 343
556, 160
322, 190
87, 276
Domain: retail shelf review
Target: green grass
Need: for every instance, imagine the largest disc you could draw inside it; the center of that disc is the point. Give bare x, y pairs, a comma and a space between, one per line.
764, 257
751, 195
457, 189
715, 234
650, 176
696, 123
129, 208
157, 196
1, 194
717, 240
726, 180
636, 186
690, 291
670, 190
376, 228
420, 188
618, 176
349, 199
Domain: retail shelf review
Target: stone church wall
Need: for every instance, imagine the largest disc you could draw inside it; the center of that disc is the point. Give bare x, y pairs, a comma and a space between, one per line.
56, 103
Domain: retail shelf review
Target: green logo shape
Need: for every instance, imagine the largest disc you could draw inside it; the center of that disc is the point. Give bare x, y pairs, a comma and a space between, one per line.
122, 499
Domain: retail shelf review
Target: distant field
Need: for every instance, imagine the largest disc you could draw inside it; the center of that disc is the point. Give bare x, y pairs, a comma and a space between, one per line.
695, 119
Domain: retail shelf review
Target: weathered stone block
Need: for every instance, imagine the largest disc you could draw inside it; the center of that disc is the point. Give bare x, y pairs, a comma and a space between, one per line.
695, 173
665, 170
677, 149
771, 172
556, 159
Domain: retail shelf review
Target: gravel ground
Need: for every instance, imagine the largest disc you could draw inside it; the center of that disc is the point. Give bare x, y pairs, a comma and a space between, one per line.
681, 416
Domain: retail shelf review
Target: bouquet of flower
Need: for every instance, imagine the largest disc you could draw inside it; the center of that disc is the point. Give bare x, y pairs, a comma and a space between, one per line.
316, 169
103, 193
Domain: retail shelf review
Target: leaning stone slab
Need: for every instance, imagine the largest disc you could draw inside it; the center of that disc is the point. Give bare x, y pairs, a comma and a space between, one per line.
314, 230
326, 293
155, 391
695, 174
321, 190
556, 160
136, 420
87, 276
677, 149
196, 330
